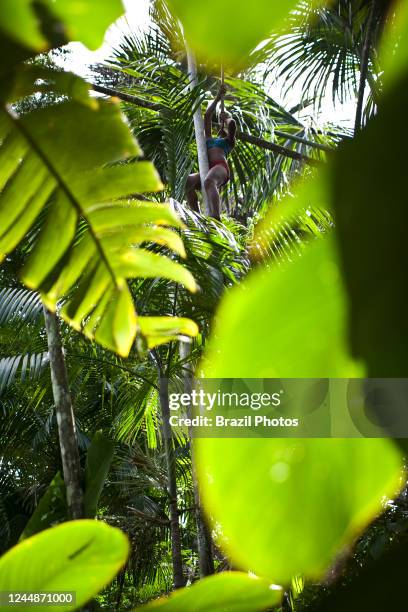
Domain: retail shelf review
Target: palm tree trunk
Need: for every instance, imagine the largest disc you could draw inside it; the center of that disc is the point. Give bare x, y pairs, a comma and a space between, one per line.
204, 539
365, 61
178, 575
65, 417
203, 166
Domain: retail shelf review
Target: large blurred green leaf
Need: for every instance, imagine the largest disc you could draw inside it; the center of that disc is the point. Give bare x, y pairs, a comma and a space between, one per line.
227, 30
80, 556
394, 45
85, 21
19, 21
300, 501
371, 216
32, 78
285, 321
226, 592
41, 157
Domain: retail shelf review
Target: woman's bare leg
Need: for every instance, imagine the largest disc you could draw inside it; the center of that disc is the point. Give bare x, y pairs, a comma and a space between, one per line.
192, 186
212, 183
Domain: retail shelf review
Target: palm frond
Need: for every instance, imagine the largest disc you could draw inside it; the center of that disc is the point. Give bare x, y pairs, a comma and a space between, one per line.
19, 303
26, 366
321, 49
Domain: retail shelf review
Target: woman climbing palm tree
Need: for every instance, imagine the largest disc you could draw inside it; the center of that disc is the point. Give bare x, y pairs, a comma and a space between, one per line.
218, 149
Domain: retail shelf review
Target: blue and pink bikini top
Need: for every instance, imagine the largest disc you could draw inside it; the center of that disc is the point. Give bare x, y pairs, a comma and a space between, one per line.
219, 143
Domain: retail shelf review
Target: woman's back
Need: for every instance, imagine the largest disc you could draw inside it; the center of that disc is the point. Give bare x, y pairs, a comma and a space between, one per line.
219, 143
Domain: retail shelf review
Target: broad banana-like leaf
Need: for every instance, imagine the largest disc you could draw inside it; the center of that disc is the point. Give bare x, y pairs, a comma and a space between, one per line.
62, 157
80, 557
98, 461
51, 509
83, 20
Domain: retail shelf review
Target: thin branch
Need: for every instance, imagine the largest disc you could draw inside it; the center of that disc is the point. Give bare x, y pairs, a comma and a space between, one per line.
108, 91
271, 146
305, 141
189, 509
259, 142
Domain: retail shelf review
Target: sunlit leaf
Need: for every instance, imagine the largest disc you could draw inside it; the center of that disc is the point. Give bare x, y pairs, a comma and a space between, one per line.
225, 592
79, 556
82, 20
287, 321
44, 161
19, 21
300, 501
159, 330
86, 20
226, 30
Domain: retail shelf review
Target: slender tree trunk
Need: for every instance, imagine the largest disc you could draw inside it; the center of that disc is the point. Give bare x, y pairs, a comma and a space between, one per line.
65, 417
202, 154
178, 576
365, 61
204, 540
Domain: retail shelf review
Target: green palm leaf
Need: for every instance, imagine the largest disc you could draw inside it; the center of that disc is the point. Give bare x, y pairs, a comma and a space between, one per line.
321, 49
27, 366
19, 302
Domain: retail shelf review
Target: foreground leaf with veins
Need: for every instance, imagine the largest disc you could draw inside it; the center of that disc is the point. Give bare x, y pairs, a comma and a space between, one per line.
310, 497
91, 240
82, 20
78, 556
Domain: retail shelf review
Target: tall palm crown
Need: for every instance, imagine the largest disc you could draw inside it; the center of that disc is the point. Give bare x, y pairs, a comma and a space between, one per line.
322, 49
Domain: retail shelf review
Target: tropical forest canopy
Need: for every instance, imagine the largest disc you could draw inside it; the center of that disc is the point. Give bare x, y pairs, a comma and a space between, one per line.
112, 289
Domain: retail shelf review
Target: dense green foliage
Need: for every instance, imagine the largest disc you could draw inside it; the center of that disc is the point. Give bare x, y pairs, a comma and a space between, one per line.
303, 277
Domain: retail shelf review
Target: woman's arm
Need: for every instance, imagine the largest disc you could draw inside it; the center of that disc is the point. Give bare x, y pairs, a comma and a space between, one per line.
210, 111
230, 127
232, 130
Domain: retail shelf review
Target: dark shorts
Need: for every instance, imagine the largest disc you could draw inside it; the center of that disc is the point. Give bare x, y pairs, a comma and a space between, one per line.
224, 164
